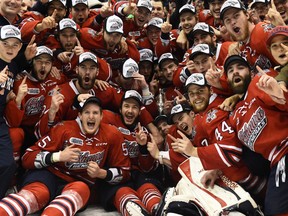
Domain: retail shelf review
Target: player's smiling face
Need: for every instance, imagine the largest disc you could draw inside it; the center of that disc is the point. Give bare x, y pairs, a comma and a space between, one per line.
277, 51
184, 122
199, 97
91, 117
112, 40
142, 16
187, 21
214, 7
238, 77
130, 111
236, 22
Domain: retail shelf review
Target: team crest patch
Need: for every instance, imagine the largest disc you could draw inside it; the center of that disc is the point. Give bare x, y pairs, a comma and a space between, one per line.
76, 141
211, 115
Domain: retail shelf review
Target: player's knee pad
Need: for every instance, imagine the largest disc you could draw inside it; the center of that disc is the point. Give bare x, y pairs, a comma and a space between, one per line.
79, 191
28, 200
37, 194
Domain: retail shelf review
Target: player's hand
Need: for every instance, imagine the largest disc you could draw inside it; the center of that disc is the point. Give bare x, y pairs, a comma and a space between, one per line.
70, 154
65, 57
270, 86
3, 75
234, 49
182, 41
141, 136
182, 145
213, 75
166, 27
83, 97
168, 104
130, 8
31, 49
153, 148
57, 100
124, 46
48, 22
93, 169
10, 96
154, 85
180, 98
78, 49
106, 10
273, 16
190, 65
22, 92
133, 40
229, 103
140, 79
101, 85
55, 72
209, 178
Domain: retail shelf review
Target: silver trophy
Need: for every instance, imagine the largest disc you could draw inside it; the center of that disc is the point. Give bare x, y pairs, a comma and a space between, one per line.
161, 100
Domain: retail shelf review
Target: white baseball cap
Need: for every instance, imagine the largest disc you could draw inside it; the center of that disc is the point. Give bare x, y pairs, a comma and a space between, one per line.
10, 31
230, 4
43, 50
114, 24
187, 8
145, 3
164, 57
202, 27
201, 49
155, 21
196, 79
129, 68
67, 23
259, 1
75, 2
133, 94
87, 56
146, 55
62, 1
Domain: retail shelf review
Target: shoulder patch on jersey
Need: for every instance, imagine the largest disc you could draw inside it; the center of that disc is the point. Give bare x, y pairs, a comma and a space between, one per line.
211, 115
267, 27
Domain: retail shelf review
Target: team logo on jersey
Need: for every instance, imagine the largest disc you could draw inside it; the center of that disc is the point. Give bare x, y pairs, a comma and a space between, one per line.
267, 27
76, 141
211, 115
34, 105
84, 158
252, 129
133, 148
263, 62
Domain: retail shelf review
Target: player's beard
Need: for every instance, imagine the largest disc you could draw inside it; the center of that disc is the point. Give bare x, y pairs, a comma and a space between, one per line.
239, 89
244, 36
86, 86
35, 75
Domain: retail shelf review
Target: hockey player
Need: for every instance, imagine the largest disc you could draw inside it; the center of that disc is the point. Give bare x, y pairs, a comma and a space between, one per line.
263, 107
139, 196
31, 91
9, 11
73, 156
